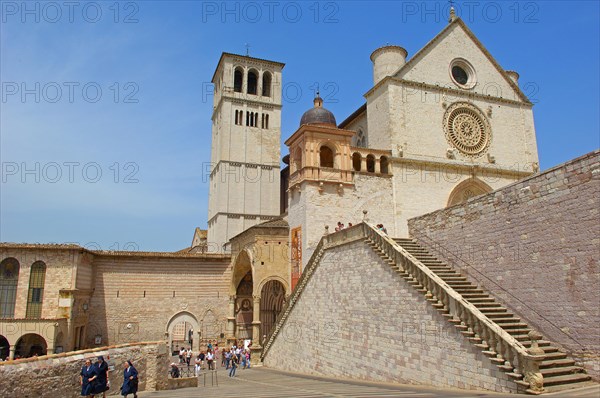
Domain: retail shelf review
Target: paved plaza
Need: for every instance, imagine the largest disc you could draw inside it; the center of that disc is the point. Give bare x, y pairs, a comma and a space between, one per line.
267, 383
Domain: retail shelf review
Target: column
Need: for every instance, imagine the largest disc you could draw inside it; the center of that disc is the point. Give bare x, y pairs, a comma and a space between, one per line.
377, 165
231, 320
12, 352
256, 349
363, 163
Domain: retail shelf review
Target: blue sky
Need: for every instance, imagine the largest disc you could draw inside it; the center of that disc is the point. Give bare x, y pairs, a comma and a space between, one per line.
111, 153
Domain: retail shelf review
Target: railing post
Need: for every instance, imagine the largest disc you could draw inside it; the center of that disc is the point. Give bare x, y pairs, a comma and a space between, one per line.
535, 356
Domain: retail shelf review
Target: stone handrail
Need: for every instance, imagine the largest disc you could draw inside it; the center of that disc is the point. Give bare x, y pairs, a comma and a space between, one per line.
507, 348
329, 240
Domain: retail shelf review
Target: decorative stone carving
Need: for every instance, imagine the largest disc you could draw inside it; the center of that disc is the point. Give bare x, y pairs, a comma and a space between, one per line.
467, 129
451, 153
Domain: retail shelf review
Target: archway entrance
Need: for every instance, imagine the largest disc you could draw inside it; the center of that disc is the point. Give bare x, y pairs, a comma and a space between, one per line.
181, 329
244, 310
271, 302
4, 348
30, 345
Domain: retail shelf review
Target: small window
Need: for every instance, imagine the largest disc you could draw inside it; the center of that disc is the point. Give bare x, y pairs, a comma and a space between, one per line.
463, 73
356, 161
266, 84
9, 277
361, 139
384, 165
238, 77
326, 156
460, 75
252, 82
371, 163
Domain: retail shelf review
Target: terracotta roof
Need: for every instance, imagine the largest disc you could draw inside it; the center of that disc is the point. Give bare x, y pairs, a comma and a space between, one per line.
178, 254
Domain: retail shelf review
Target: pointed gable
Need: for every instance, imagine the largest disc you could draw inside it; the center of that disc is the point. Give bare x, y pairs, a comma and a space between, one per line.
432, 64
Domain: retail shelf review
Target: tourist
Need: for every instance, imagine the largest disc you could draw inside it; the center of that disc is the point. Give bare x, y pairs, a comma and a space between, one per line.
349, 225
202, 357
243, 359
174, 371
130, 380
181, 354
227, 357
210, 359
87, 378
198, 363
188, 356
234, 364
103, 384
248, 359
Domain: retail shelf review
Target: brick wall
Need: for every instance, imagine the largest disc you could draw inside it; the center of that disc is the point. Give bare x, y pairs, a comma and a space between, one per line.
58, 375
357, 319
535, 246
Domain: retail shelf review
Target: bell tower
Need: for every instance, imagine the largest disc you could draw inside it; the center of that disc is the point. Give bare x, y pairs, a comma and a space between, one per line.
245, 150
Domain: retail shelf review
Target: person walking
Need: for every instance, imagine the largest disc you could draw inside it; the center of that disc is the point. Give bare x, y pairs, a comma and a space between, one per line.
130, 380
210, 360
87, 378
198, 365
188, 356
102, 382
234, 364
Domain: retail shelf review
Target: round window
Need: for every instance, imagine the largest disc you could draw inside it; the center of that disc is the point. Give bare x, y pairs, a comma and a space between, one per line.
462, 73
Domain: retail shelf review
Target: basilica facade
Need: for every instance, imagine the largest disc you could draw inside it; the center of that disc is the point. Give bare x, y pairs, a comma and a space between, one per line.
435, 129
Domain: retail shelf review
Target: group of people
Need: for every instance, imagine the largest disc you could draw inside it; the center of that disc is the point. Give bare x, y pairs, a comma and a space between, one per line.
341, 226
235, 357
231, 359
94, 379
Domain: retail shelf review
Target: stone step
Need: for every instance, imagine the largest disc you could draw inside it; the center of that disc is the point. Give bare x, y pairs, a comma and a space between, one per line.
469, 296
563, 370
517, 332
555, 355
495, 312
513, 325
556, 363
481, 300
566, 379
541, 343
501, 321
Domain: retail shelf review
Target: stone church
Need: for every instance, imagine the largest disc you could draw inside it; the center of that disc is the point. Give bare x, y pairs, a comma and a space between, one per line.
440, 130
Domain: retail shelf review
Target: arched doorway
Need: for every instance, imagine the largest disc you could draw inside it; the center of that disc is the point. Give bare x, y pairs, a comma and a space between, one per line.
4, 348
30, 345
466, 190
181, 330
243, 307
271, 302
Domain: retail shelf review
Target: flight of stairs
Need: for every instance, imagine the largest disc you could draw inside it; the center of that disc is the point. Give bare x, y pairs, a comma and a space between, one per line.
559, 371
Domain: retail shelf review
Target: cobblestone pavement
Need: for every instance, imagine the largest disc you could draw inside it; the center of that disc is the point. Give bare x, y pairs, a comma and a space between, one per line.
268, 383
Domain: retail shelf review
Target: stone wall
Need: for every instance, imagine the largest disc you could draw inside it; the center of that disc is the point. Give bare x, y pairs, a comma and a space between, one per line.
58, 375
534, 246
137, 297
357, 319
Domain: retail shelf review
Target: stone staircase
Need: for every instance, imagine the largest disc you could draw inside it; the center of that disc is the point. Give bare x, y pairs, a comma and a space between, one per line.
510, 344
559, 372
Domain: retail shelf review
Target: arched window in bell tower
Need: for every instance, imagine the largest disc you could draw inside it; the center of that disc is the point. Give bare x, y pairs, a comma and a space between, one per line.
266, 84
252, 81
326, 156
238, 78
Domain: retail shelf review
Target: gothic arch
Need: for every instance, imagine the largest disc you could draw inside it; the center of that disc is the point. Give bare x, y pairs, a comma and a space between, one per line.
274, 278
241, 266
467, 189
